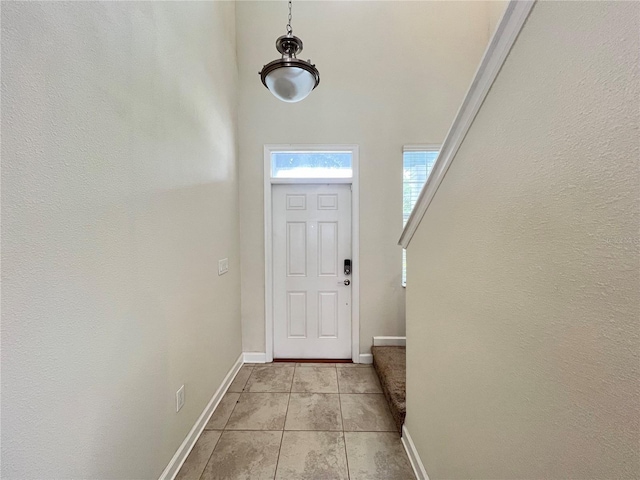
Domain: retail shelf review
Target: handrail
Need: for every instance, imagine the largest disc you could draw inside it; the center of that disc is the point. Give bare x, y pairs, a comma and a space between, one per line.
505, 36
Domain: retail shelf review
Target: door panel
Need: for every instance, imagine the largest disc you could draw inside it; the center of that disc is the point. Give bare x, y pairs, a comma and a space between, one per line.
296, 249
327, 249
296, 202
311, 240
297, 314
328, 314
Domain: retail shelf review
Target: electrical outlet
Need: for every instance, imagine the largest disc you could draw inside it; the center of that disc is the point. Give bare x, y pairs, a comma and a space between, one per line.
180, 398
223, 266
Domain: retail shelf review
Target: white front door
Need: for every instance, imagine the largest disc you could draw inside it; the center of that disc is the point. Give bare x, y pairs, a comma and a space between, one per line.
312, 294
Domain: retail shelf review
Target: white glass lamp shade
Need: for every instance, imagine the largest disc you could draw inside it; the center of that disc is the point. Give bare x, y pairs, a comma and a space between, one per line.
290, 84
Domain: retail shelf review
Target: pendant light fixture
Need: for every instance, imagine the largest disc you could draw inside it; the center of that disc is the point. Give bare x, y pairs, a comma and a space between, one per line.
289, 78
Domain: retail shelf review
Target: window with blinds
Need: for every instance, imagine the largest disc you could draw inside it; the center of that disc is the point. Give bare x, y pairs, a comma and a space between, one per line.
417, 163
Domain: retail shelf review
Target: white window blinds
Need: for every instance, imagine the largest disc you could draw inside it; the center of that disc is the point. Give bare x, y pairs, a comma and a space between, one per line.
417, 163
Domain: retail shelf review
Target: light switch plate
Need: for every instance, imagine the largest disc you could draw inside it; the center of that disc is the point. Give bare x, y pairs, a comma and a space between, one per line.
223, 266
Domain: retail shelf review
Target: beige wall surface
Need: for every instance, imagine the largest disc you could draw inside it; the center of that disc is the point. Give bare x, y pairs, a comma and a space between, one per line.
119, 195
495, 9
523, 301
392, 73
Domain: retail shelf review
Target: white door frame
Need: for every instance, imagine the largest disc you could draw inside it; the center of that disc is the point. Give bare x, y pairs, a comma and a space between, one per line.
355, 236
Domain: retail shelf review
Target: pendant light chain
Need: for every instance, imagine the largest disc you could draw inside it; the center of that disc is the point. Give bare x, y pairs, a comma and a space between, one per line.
289, 78
289, 29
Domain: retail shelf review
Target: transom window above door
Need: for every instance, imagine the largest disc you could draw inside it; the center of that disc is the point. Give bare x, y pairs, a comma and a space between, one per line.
311, 164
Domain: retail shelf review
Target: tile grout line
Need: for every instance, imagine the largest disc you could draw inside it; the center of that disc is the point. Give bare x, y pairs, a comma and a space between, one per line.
233, 410
344, 437
280, 447
323, 430
209, 459
247, 382
224, 427
316, 393
284, 424
237, 401
268, 391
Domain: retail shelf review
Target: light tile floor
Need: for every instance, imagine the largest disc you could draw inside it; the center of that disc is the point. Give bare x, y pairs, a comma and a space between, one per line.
304, 421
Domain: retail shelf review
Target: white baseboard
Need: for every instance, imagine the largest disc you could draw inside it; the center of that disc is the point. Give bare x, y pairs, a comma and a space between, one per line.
389, 341
254, 357
366, 358
414, 458
183, 452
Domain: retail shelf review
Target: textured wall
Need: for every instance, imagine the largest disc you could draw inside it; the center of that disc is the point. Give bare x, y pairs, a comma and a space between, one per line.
119, 194
392, 73
523, 300
495, 9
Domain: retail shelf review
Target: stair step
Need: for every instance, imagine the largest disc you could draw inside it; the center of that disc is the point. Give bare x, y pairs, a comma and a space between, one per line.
390, 364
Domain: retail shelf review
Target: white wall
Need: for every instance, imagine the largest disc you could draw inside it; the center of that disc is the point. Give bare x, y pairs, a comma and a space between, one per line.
495, 9
119, 194
523, 294
392, 73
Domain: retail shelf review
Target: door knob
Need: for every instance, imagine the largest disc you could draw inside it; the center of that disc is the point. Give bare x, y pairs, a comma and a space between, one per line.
346, 282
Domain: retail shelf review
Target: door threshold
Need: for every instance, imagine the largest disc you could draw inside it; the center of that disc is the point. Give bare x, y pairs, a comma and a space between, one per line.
313, 360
